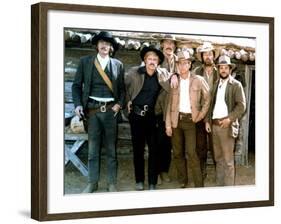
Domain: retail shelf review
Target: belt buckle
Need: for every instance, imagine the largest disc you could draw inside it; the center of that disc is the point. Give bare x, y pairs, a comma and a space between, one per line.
103, 108
145, 108
142, 113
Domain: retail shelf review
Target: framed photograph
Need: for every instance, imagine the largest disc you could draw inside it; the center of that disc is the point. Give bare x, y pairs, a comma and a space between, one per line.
62, 34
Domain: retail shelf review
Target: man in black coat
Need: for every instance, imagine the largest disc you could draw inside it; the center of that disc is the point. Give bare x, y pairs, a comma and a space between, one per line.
98, 92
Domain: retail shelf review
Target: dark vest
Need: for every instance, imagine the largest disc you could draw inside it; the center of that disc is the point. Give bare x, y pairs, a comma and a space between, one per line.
98, 86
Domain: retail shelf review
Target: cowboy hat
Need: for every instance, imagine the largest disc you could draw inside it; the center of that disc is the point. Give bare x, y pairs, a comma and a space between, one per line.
154, 49
207, 46
106, 36
168, 37
184, 55
225, 60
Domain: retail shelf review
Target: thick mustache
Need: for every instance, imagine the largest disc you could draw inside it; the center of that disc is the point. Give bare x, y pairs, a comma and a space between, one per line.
168, 48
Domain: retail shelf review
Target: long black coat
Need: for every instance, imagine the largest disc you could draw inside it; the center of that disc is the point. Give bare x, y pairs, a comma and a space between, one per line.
82, 82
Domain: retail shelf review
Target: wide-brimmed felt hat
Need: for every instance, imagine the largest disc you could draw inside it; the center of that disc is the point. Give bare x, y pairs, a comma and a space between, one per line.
106, 36
155, 50
225, 60
168, 37
184, 55
207, 46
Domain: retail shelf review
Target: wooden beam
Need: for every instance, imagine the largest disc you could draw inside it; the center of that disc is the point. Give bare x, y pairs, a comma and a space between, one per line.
76, 162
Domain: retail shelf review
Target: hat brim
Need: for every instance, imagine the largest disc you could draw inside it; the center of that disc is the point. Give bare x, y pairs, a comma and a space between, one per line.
172, 39
232, 66
199, 54
113, 42
148, 49
189, 59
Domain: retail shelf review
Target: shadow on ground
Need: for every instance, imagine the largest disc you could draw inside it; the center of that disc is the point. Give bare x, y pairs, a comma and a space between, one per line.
75, 182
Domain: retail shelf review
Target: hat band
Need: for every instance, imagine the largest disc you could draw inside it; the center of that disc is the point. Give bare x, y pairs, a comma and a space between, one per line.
224, 62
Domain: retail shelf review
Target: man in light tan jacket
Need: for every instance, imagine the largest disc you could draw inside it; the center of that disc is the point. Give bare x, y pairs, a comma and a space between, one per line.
188, 104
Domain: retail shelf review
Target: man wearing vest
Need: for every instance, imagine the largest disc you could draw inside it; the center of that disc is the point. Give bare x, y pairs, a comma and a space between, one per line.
98, 92
206, 54
227, 107
143, 84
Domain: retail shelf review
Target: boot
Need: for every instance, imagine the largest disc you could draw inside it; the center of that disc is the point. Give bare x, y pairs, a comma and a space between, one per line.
112, 188
165, 177
139, 186
91, 187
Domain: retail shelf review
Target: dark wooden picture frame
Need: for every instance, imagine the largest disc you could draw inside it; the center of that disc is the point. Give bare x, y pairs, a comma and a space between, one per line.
39, 108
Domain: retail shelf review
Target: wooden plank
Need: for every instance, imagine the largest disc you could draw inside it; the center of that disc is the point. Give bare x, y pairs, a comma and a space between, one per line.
76, 162
68, 92
76, 146
75, 137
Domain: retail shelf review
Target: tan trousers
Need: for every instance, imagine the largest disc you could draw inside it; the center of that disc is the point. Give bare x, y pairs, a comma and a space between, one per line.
223, 146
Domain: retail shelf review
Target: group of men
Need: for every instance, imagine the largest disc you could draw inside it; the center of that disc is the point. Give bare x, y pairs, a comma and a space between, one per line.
173, 109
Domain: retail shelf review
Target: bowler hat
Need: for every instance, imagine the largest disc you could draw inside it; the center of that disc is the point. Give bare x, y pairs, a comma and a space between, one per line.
225, 60
106, 36
207, 46
155, 50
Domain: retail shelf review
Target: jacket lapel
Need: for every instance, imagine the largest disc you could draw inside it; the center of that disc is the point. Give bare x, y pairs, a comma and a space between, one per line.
112, 68
89, 71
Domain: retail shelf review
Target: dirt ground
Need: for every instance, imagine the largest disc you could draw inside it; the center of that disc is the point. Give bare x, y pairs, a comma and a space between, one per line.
75, 182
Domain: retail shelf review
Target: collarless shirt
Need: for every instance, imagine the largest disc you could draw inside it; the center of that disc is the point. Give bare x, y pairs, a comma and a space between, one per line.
103, 61
149, 91
220, 109
184, 105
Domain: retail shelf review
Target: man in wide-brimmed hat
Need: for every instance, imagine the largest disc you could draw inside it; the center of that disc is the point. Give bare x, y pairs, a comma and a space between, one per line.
107, 37
143, 84
98, 93
168, 46
187, 105
206, 54
227, 107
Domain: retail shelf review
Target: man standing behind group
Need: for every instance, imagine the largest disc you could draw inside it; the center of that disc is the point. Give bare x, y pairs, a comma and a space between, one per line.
206, 54
227, 107
143, 84
188, 104
168, 45
98, 92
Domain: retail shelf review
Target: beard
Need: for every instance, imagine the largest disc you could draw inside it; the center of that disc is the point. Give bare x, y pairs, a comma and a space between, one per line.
224, 77
208, 62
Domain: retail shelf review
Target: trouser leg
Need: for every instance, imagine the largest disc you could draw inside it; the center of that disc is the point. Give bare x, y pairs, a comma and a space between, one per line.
163, 146
138, 141
110, 137
190, 151
201, 145
223, 146
94, 148
150, 135
179, 156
